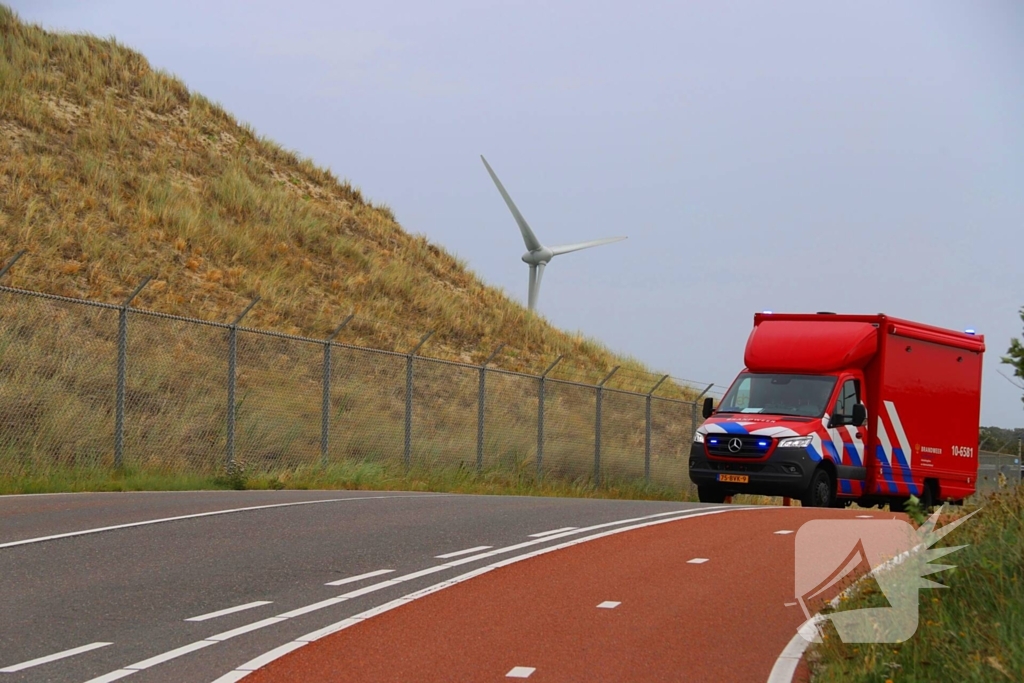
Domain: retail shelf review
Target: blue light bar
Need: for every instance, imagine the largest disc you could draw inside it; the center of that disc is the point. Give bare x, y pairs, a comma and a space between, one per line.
767, 312
762, 444
970, 330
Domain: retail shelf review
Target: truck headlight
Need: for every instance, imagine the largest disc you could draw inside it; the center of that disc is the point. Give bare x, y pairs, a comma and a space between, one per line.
796, 442
698, 437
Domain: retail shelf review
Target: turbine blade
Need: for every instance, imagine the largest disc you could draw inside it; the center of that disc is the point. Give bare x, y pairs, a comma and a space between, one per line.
566, 248
532, 294
531, 241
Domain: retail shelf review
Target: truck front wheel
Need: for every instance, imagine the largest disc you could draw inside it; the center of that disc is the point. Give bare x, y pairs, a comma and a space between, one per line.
822, 491
710, 494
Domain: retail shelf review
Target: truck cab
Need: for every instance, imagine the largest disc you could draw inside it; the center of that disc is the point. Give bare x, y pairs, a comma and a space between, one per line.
832, 409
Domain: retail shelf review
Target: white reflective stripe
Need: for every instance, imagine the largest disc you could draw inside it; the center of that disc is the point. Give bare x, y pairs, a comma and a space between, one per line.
713, 429
858, 444
816, 443
837, 442
883, 441
901, 436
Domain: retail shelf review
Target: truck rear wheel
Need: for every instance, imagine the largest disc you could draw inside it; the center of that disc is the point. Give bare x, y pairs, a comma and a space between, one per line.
710, 494
822, 491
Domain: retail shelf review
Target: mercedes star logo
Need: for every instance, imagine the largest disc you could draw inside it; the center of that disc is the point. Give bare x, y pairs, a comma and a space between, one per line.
735, 445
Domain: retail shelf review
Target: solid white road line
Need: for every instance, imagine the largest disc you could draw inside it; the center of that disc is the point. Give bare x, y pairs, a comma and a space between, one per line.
783, 532
268, 657
52, 658
697, 560
360, 577
371, 588
197, 515
312, 608
226, 635
467, 551
230, 610
169, 655
660, 518
553, 531
520, 672
609, 604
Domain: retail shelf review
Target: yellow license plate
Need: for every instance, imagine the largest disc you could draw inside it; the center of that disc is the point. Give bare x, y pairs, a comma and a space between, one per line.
734, 478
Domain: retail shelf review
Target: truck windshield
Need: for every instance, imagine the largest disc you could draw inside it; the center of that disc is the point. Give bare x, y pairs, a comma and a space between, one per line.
777, 394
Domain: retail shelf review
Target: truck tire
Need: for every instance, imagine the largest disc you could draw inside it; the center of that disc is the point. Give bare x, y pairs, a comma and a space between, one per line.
710, 494
897, 504
822, 491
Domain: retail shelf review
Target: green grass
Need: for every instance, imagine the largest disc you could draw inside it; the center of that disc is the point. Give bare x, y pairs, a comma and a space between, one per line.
366, 476
971, 631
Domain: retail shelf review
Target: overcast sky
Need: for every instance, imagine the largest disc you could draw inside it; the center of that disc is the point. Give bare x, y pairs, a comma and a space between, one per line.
792, 156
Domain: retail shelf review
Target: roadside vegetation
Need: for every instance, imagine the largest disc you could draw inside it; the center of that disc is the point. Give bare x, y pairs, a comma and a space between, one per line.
112, 171
345, 475
971, 631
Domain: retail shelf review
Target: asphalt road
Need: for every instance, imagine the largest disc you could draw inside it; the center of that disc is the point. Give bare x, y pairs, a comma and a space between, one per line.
706, 597
134, 587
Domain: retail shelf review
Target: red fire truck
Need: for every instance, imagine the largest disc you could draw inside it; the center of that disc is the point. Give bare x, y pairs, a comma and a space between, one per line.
832, 409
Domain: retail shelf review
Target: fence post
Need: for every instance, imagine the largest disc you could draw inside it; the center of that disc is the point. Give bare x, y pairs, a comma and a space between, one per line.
10, 264
647, 432
540, 417
325, 404
480, 411
597, 427
122, 371
232, 360
407, 456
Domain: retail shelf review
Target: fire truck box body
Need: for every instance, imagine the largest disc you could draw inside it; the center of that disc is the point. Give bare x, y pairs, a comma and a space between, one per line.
793, 412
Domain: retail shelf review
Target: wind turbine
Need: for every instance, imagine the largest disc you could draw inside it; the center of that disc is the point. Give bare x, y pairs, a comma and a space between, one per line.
538, 256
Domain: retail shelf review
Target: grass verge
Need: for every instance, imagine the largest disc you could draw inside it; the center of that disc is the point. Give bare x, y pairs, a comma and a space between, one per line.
345, 475
971, 631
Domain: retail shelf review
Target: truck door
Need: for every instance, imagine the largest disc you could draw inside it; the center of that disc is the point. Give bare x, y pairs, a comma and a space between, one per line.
847, 441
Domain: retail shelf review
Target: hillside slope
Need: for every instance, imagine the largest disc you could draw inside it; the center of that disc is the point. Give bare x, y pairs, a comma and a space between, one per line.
111, 171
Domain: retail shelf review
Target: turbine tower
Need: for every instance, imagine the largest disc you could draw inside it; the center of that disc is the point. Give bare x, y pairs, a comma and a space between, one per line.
538, 256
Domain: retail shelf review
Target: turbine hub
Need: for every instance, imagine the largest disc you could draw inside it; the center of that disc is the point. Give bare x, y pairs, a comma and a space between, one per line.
538, 256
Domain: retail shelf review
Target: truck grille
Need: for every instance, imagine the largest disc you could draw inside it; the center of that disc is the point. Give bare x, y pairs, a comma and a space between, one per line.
751, 446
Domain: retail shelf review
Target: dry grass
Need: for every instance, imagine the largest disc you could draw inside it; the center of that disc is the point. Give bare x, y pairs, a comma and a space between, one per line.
111, 171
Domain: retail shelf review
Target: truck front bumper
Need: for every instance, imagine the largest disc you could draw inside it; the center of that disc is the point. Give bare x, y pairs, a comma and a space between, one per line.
786, 473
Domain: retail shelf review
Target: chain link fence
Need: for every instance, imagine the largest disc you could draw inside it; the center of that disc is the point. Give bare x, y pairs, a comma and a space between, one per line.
101, 386
997, 471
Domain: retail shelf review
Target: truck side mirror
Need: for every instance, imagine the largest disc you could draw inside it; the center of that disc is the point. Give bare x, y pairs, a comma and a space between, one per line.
860, 415
709, 407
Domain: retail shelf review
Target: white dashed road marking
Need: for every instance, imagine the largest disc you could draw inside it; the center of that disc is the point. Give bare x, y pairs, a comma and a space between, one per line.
229, 610
783, 532
360, 577
553, 531
467, 551
865, 516
609, 604
789, 604
520, 672
52, 658
697, 560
